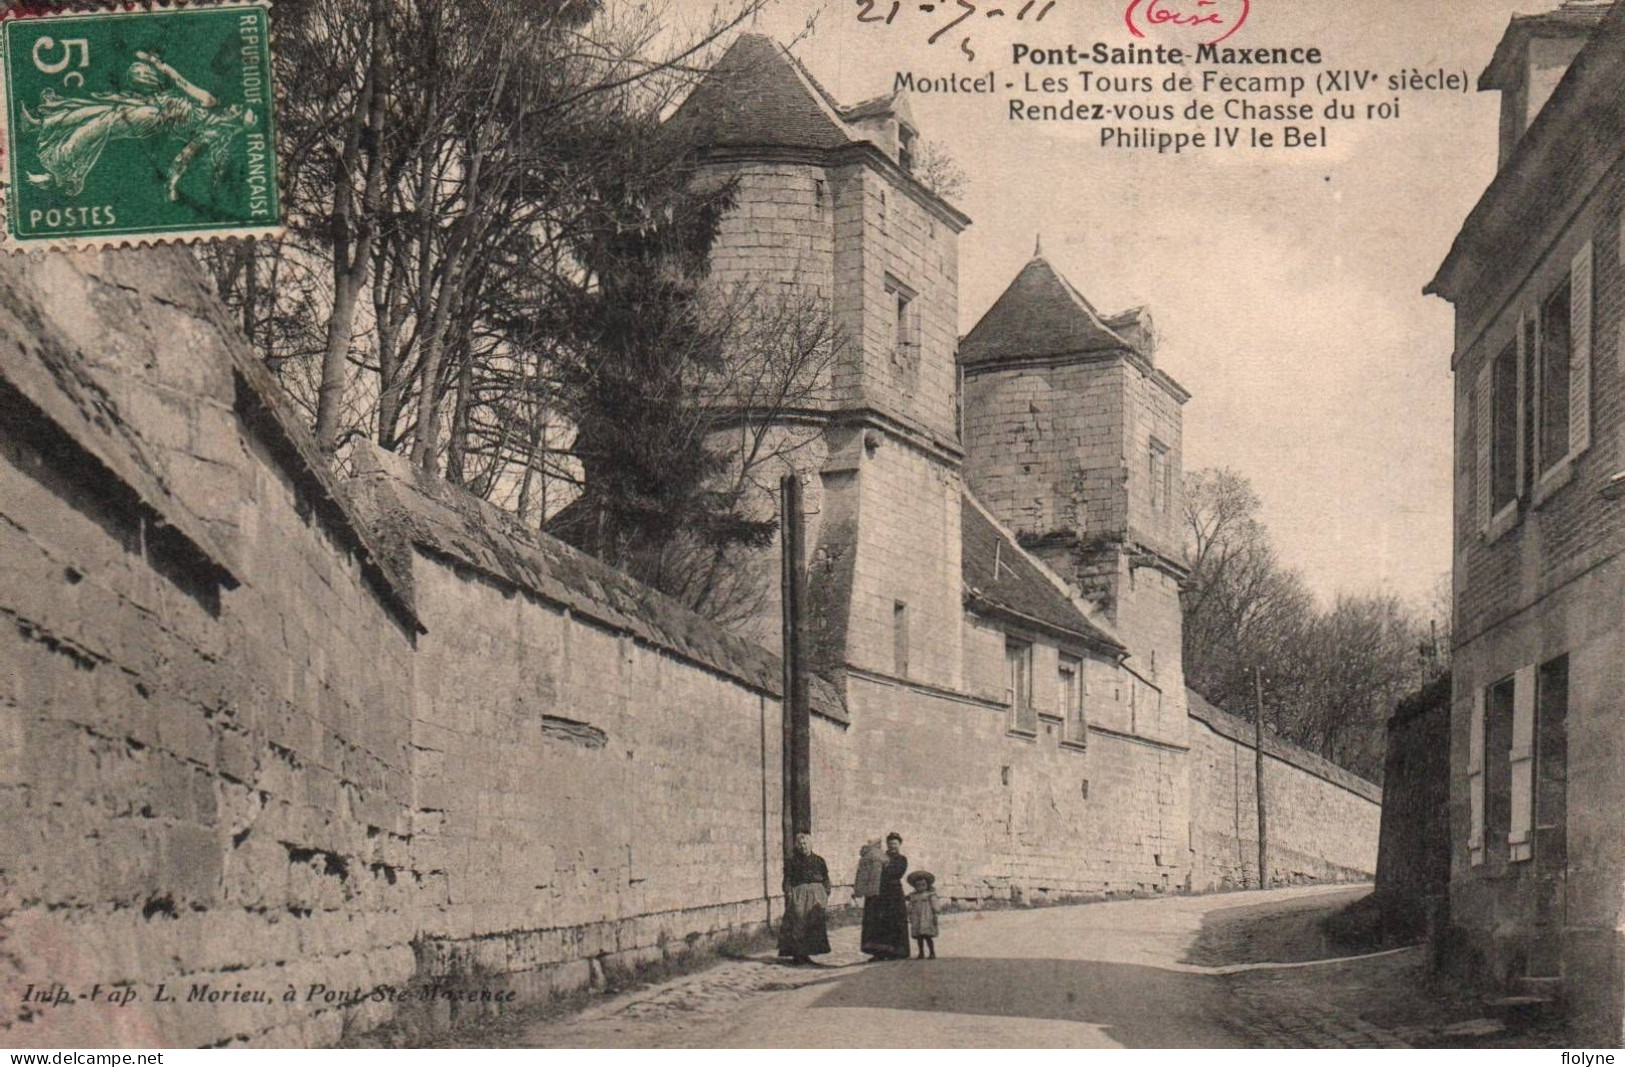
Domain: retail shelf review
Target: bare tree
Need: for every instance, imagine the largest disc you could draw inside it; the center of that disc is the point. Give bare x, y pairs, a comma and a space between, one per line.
939, 171
435, 149
1330, 677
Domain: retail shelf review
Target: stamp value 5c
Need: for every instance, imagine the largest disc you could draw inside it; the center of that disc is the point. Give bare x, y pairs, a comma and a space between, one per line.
123, 126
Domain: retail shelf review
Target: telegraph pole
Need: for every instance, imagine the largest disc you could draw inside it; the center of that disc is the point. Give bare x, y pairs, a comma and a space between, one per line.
1258, 789
797, 729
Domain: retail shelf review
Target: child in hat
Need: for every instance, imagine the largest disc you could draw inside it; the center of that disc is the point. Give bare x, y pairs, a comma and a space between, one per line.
922, 912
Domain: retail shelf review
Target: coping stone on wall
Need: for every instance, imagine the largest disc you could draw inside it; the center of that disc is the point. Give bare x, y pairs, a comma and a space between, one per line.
1241, 731
407, 506
44, 375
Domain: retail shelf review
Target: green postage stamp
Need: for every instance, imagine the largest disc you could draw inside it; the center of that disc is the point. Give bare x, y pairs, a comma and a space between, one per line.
138, 125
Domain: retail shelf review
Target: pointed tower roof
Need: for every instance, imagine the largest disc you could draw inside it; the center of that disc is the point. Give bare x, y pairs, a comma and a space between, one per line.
1040, 314
758, 96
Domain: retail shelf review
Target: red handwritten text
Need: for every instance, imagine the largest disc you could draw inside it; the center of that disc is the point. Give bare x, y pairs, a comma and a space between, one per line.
1142, 14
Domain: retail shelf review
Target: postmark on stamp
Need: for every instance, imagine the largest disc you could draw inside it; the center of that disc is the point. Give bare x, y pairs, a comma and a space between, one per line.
138, 125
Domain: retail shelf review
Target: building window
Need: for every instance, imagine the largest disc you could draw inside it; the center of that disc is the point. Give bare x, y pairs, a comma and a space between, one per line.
1018, 693
1159, 474
1554, 377
1504, 431
899, 638
906, 139
1069, 699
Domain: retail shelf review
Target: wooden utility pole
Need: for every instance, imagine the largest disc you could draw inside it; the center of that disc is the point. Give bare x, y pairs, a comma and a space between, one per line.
797, 705
1258, 783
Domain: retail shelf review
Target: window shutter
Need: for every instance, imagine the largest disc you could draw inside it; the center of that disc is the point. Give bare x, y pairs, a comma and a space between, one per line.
1482, 412
1580, 299
1475, 781
1525, 382
1522, 758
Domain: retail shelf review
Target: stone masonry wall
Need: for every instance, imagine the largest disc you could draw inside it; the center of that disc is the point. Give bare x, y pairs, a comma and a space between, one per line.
908, 553
554, 732
1043, 447
904, 243
1413, 854
205, 762
999, 816
1321, 821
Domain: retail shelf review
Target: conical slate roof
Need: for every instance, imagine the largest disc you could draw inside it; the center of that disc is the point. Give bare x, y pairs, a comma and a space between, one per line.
1040, 314
758, 96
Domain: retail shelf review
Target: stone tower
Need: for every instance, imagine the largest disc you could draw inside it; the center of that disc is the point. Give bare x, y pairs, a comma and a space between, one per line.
1073, 438
828, 206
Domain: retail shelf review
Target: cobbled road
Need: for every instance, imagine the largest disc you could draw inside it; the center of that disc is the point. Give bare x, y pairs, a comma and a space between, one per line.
1095, 976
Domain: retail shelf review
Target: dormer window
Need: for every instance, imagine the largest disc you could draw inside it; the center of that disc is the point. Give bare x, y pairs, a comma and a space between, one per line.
906, 144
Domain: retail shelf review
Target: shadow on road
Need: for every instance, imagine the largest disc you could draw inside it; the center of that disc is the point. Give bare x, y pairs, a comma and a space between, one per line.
1135, 1007
1271, 932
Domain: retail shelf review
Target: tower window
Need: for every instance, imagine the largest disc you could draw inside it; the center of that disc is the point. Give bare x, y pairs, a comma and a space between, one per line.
1160, 475
906, 139
905, 325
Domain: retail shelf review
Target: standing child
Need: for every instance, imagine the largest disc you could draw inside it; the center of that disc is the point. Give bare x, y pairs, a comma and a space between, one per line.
922, 912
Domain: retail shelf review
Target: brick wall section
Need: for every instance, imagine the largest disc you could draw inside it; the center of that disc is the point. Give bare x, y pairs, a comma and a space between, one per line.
1574, 529
908, 552
1551, 582
1155, 520
905, 242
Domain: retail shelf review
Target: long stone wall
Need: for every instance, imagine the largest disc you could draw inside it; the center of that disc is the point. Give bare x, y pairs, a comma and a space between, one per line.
1321, 821
269, 741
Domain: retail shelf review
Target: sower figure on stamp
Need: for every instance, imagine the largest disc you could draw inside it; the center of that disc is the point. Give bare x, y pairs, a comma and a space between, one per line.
803, 933
74, 131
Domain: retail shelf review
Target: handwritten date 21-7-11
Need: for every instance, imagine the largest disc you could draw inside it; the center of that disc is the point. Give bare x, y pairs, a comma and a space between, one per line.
956, 12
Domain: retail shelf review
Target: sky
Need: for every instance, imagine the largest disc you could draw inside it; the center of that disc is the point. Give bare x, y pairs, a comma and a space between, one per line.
1286, 284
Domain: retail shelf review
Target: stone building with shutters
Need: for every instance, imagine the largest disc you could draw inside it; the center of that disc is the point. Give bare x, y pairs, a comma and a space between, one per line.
1537, 875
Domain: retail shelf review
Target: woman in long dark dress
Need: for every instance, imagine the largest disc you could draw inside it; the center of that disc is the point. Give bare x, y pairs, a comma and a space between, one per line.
885, 917
804, 932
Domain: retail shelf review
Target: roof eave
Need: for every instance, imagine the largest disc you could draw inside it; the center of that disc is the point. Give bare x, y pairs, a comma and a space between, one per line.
980, 603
